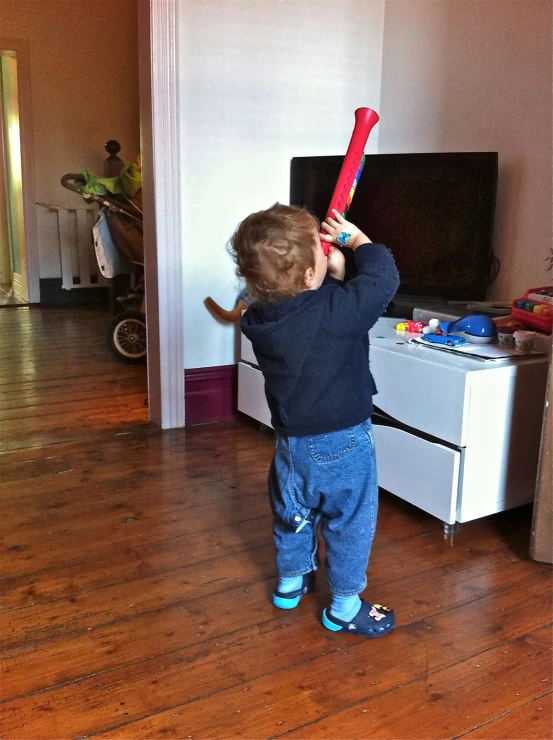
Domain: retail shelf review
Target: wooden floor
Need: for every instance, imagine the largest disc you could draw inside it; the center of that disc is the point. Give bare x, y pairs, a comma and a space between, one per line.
137, 568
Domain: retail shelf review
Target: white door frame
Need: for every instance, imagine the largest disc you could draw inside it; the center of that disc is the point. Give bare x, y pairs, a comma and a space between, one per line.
21, 49
163, 220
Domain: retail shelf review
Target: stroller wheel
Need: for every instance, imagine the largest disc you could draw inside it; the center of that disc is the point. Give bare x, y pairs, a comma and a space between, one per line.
127, 336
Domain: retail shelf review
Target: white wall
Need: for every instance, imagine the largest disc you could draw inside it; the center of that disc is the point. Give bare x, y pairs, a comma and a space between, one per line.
262, 81
84, 81
475, 75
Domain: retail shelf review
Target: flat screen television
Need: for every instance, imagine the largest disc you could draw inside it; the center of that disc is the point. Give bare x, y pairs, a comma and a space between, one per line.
435, 212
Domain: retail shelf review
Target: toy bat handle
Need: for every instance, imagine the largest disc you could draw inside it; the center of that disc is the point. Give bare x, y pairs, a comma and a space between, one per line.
365, 119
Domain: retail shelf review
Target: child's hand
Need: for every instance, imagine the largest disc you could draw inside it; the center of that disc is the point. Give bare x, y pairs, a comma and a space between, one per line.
336, 264
342, 232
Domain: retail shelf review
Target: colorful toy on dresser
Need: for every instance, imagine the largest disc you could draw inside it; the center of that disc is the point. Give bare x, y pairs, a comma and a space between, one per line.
535, 308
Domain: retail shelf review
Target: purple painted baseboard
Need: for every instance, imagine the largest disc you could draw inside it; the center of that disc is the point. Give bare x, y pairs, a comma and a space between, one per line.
210, 394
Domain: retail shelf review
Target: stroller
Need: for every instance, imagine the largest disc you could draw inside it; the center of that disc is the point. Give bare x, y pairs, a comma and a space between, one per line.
119, 246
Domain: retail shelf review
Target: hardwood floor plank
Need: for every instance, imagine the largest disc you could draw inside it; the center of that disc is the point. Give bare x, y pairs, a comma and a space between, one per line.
389, 561
49, 617
304, 673
116, 455
532, 721
142, 440
64, 475
66, 581
449, 702
31, 382
95, 415
126, 418
37, 667
60, 508
24, 556
26, 404
123, 466
120, 530
152, 593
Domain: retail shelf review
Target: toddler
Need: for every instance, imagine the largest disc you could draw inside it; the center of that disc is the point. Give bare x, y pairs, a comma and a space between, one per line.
309, 331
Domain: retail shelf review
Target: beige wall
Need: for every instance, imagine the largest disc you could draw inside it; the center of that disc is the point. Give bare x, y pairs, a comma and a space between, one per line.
475, 75
84, 80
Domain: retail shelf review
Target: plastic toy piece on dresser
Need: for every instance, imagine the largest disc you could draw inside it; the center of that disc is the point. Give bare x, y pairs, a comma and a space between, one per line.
475, 329
449, 339
432, 328
535, 309
414, 327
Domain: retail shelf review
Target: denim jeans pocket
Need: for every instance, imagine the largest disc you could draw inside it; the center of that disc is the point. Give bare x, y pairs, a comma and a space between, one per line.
332, 446
368, 429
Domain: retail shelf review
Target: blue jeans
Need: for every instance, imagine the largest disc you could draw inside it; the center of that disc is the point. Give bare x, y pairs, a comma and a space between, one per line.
327, 479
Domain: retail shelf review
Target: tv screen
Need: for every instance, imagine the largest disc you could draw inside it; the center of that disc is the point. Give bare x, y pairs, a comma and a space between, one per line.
435, 212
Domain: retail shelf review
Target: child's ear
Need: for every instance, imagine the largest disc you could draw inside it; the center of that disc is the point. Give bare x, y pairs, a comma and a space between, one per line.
309, 278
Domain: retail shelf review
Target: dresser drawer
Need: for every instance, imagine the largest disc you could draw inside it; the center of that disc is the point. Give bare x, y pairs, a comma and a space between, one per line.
423, 473
251, 394
246, 350
421, 394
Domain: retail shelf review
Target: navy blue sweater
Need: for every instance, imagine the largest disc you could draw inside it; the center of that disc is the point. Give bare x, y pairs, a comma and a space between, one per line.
313, 348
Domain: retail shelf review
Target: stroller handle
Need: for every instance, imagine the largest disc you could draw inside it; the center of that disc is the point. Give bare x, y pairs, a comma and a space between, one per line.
73, 182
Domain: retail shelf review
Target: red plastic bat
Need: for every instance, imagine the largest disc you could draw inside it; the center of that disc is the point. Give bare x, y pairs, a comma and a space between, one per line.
365, 119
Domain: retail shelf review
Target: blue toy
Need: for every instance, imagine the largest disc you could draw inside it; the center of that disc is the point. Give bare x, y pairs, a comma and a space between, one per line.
450, 340
476, 329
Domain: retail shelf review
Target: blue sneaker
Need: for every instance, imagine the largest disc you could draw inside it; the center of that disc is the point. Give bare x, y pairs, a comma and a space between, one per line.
292, 599
370, 621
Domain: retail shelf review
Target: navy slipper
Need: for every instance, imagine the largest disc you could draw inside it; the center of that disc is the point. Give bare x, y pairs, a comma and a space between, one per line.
292, 599
370, 621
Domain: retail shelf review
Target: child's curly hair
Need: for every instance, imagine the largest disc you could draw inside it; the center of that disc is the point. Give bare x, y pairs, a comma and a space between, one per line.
273, 249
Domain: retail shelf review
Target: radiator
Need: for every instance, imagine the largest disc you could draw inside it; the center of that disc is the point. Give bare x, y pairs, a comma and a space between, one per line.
79, 268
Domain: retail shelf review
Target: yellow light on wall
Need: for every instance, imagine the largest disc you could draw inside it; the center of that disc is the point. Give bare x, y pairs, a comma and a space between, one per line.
15, 151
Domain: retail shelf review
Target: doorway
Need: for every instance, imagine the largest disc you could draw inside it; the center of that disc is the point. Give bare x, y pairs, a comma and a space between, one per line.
19, 279
14, 288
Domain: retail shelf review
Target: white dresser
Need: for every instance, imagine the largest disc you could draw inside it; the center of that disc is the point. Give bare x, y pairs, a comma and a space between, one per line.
251, 387
455, 436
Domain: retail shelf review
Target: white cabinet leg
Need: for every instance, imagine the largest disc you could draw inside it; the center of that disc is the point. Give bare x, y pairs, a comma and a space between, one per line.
451, 529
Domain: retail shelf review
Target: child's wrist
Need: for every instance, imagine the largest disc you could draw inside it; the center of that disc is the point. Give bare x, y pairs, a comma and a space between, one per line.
358, 240
338, 274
